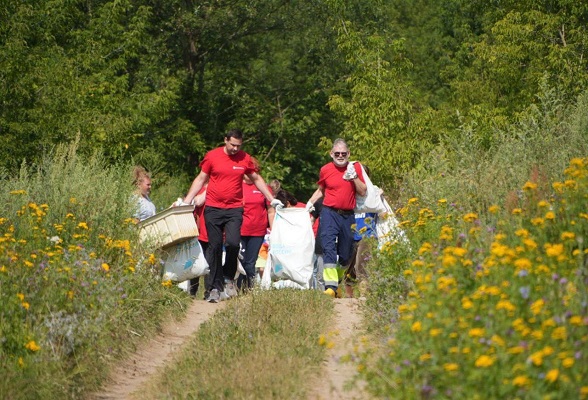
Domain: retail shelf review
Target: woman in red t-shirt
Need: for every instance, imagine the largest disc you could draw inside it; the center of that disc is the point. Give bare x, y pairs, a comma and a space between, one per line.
202, 234
253, 229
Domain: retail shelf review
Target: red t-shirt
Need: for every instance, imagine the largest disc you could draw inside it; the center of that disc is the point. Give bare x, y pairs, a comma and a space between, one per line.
339, 193
255, 221
225, 177
199, 216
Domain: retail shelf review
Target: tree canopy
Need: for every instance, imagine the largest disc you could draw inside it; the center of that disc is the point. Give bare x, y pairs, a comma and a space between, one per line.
159, 82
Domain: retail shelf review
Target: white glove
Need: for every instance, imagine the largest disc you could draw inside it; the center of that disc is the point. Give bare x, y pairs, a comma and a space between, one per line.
275, 203
350, 174
309, 206
180, 202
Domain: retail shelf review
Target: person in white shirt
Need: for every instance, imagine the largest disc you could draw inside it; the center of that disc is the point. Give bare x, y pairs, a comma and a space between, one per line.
145, 207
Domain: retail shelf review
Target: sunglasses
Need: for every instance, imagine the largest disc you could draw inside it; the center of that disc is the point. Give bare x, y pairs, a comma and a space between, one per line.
340, 153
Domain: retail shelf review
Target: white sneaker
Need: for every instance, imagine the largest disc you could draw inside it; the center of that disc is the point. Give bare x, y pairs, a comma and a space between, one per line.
224, 296
214, 296
230, 288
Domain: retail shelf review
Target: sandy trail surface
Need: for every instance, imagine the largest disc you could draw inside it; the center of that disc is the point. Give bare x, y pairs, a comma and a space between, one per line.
130, 376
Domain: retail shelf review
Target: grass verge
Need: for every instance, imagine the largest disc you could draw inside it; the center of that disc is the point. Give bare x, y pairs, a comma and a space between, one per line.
263, 345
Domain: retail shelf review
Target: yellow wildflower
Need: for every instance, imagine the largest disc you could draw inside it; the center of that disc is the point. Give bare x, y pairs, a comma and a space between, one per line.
530, 186
476, 332
435, 332
537, 358
32, 346
559, 333
105, 267
425, 357
450, 367
416, 327
521, 380
517, 211
523, 263
458, 251
537, 306
516, 350
568, 236
322, 340
522, 233
568, 362
550, 215
448, 260
552, 375
498, 340
470, 217
425, 247
554, 250
505, 305
576, 320
493, 209
484, 361
466, 303
538, 221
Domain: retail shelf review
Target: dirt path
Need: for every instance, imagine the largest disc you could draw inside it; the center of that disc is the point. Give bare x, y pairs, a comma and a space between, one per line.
138, 369
134, 372
335, 383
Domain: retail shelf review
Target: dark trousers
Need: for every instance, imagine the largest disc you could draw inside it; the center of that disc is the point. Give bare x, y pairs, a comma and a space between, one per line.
250, 246
336, 236
219, 221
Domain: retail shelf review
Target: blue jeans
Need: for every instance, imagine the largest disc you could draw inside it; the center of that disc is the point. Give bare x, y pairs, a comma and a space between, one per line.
250, 246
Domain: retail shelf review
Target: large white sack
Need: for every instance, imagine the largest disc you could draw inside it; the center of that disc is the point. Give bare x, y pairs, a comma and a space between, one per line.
184, 261
291, 248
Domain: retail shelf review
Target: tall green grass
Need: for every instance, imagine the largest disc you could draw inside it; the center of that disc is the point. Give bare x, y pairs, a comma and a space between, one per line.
76, 290
473, 177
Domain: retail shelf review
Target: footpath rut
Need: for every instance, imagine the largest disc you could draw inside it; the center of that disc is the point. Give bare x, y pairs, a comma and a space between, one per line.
130, 376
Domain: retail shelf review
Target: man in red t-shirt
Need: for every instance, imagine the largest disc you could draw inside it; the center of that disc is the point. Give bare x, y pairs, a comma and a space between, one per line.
223, 168
338, 183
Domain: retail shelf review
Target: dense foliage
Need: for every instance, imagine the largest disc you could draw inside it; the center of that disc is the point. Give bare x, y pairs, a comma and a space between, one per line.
158, 82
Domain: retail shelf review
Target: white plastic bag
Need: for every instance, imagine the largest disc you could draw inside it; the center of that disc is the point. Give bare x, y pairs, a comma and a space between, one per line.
387, 227
291, 248
372, 202
184, 261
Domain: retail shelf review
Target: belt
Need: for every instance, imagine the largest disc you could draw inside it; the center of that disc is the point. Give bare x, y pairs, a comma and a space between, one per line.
339, 211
